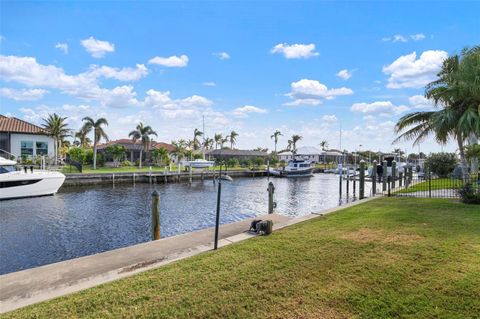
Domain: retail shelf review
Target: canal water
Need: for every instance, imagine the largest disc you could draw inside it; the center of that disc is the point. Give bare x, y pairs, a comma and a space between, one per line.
80, 221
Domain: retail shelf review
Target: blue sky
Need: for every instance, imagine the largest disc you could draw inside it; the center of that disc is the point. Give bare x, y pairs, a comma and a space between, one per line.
252, 67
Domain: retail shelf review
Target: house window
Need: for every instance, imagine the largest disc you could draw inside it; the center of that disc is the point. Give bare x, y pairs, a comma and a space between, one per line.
26, 148
42, 148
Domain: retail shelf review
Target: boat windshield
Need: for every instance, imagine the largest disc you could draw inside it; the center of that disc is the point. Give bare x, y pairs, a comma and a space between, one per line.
7, 169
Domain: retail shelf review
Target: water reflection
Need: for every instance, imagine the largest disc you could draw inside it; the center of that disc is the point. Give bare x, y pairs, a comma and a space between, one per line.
87, 220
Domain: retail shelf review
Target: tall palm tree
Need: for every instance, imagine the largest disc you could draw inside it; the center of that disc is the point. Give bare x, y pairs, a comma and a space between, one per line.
179, 149
218, 139
324, 145
208, 143
83, 139
56, 127
233, 138
223, 141
196, 134
457, 93
98, 133
275, 137
142, 133
294, 140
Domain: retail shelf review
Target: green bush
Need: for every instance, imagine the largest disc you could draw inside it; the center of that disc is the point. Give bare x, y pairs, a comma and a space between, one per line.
126, 163
232, 162
441, 164
88, 158
469, 195
259, 161
77, 154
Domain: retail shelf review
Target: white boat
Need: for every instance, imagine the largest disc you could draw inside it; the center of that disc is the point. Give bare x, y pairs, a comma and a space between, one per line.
295, 168
199, 163
27, 183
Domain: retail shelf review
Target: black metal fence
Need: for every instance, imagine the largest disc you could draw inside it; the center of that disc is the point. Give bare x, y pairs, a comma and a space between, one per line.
426, 185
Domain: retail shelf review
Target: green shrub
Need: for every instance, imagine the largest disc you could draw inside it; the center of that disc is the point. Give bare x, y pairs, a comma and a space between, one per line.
232, 162
259, 161
441, 164
126, 163
77, 154
469, 195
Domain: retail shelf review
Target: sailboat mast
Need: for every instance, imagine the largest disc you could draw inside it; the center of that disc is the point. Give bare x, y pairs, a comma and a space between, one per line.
203, 135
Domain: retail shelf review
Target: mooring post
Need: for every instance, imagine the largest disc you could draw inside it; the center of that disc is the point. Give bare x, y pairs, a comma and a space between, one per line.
384, 176
394, 173
354, 183
271, 190
217, 217
113, 179
340, 187
347, 189
362, 180
133, 179
374, 178
190, 173
155, 215
268, 168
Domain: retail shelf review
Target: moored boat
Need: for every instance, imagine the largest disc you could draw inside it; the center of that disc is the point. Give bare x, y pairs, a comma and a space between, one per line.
27, 182
295, 168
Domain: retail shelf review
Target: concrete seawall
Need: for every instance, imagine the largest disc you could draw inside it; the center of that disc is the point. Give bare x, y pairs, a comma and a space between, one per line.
147, 177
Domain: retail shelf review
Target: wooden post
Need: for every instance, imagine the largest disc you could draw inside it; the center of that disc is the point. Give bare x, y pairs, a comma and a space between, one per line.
268, 168
362, 180
400, 179
271, 190
190, 173
384, 176
340, 187
133, 179
155, 215
394, 173
374, 178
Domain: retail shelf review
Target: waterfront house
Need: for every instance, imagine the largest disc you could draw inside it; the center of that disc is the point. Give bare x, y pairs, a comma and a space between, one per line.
23, 139
313, 154
241, 155
134, 148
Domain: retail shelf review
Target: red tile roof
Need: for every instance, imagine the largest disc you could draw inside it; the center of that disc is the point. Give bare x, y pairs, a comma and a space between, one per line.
14, 125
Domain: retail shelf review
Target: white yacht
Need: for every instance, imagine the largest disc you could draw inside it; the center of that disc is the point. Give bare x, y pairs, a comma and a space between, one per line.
199, 163
295, 168
28, 182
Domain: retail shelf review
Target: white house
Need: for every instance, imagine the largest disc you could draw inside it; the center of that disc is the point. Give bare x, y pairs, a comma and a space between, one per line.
313, 154
23, 139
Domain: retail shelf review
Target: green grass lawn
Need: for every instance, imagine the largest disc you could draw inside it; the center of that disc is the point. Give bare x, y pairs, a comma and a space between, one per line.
436, 184
391, 257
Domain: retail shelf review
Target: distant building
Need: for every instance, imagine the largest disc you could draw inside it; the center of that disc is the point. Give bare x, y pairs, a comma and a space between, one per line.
241, 155
313, 154
23, 139
133, 149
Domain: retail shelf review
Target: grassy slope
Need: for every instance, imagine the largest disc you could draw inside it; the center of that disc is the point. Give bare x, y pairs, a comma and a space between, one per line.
392, 257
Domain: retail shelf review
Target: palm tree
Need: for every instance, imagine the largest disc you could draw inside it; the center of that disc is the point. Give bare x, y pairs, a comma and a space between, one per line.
223, 141
457, 93
142, 133
83, 139
98, 133
324, 145
233, 138
294, 140
208, 143
218, 139
275, 137
179, 150
57, 129
196, 134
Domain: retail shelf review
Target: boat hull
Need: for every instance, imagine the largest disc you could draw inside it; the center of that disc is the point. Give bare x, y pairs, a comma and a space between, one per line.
292, 173
30, 185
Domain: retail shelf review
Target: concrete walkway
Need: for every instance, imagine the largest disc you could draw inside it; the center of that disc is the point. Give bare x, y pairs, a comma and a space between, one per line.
30, 286
26, 287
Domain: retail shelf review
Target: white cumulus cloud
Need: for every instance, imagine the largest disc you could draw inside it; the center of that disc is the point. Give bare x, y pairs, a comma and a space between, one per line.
344, 74
209, 84
247, 109
222, 55
171, 62
123, 74
417, 37
62, 46
383, 108
329, 118
295, 51
22, 94
409, 72
97, 48
312, 92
